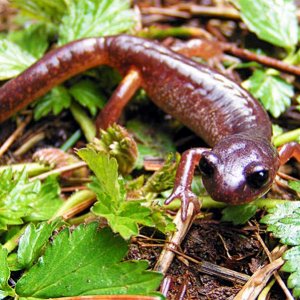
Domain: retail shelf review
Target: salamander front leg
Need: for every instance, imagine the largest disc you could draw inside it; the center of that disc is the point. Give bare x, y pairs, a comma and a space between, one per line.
121, 96
288, 151
183, 180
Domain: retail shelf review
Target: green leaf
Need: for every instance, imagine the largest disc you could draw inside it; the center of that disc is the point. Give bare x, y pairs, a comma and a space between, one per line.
106, 171
151, 141
33, 39
55, 101
20, 198
15, 197
46, 202
292, 265
32, 242
239, 214
274, 93
13, 59
44, 10
295, 185
88, 94
92, 18
5, 289
272, 21
163, 222
284, 222
121, 215
86, 262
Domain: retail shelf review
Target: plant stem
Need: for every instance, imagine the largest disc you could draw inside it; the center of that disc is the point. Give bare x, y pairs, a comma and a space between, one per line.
32, 169
208, 202
29, 144
77, 200
155, 32
293, 135
262, 59
80, 219
86, 124
71, 141
12, 243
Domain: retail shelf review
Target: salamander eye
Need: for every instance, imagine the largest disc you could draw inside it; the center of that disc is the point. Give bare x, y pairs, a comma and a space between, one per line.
258, 179
206, 167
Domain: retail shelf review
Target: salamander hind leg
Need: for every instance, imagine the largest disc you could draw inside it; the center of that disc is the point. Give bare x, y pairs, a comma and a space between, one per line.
121, 96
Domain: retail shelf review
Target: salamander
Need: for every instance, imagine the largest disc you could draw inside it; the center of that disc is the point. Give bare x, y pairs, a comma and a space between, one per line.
242, 163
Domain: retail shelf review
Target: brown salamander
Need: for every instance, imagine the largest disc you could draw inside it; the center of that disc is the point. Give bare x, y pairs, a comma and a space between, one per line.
242, 163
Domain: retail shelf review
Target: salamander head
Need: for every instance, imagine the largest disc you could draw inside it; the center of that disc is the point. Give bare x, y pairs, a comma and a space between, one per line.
239, 169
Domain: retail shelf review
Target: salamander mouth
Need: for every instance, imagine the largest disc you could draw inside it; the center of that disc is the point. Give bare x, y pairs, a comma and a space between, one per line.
237, 197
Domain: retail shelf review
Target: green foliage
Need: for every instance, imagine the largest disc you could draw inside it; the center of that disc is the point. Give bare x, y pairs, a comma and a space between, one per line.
163, 222
33, 39
68, 20
295, 185
13, 59
121, 215
55, 101
32, 242
92, 18
118, 143
88, 94
44, 10
239, 214
86, 262
21, 199
274, 93
272, 21
284, 222
151, 141
292, 265
106, 171
163, 179
5, 289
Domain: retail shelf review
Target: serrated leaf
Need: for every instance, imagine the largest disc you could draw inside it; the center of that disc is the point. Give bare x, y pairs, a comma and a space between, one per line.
272, 21
163, 222
15, 197
284, 222
92, 18
20, 198
239, 214
121, 215
88, 94
33, 39
274, 93
32, 242
292, 265
106, 171
13, 59
44, 10
5, 289
55, 101
86, 262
